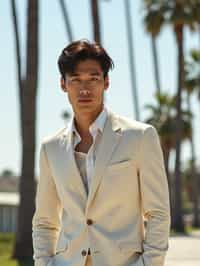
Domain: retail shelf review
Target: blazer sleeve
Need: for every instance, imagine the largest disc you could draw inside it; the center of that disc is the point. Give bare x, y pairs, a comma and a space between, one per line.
154, 199
47, 217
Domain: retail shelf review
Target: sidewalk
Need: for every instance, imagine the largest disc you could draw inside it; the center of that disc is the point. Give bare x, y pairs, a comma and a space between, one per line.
184, 250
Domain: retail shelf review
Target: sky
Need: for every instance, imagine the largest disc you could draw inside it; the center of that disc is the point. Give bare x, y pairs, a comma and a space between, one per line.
51, 101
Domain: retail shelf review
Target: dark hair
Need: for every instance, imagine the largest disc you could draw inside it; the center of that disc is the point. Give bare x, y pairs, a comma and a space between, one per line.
81, 50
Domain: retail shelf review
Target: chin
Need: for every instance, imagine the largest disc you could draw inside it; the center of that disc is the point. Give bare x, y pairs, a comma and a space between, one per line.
85, 107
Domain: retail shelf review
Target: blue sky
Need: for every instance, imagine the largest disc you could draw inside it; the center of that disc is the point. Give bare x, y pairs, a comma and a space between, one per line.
51, 100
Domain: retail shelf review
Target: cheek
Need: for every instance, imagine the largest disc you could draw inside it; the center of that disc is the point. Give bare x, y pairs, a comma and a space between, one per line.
100, 92
99, 96
71, 96
72, 93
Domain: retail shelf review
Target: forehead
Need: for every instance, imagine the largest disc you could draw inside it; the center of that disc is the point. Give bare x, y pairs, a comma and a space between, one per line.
88, 66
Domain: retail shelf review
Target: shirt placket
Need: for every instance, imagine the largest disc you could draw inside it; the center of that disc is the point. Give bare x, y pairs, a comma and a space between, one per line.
90, 159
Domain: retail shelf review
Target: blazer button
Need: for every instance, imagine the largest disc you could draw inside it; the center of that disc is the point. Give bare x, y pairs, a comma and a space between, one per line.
84, 252
89, 221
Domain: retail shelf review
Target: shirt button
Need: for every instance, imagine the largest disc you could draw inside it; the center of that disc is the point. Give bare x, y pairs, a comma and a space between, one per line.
89, 221
84, 252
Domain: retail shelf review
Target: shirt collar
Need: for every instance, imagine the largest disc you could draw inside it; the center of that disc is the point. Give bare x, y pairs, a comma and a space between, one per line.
98, 124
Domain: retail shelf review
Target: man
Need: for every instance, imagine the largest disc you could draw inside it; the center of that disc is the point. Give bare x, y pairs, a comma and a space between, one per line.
100, 178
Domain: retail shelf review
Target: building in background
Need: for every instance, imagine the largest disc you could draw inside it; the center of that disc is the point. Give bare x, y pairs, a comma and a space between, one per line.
9, 201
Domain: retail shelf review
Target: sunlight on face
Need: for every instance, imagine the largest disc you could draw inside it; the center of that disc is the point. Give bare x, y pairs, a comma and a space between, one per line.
86, 86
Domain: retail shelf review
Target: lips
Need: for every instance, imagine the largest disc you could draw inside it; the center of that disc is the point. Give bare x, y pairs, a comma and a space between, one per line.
85, 100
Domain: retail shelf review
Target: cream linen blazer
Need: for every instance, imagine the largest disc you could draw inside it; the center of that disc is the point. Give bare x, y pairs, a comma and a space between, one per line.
129, 185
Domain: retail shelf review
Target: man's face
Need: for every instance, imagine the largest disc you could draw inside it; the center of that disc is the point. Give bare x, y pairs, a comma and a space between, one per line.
85, 87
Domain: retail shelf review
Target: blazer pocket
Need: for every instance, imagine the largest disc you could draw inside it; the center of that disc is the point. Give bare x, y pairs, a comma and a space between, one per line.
119, 165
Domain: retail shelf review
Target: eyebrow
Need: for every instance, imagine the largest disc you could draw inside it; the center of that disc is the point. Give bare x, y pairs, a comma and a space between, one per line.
96, 73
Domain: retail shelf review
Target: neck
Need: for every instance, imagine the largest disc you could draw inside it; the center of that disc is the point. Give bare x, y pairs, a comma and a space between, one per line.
84, 120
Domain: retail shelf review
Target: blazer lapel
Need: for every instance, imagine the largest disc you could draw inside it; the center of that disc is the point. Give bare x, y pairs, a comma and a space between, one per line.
72, 171
110, 138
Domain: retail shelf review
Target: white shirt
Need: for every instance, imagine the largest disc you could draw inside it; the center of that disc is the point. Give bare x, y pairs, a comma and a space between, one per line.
81, 164
96, 130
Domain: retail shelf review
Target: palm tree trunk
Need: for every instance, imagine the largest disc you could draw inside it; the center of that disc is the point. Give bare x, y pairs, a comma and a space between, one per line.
66, 20
166, 153
166, 161
155, 61
95, 19
27, 188
178, 223
196, 222
131, 59
18, 52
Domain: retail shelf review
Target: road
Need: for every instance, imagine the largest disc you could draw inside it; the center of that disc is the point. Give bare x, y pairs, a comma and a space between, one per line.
184, 250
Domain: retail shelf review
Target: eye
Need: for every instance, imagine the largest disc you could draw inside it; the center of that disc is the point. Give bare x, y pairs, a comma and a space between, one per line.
95, 78
74, 80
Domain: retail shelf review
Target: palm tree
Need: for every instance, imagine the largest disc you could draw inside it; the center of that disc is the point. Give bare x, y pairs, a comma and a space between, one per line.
66, 116
131, 59
163, 118
192, 84
192, 80
155, 61
66, 20
178, 13
96, 21
148, 16
27, 97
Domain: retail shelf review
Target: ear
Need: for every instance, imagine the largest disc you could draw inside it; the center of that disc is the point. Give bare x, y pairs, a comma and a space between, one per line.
106, 82
63, 85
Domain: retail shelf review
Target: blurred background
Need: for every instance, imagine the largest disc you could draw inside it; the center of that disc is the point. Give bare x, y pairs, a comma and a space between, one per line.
155, 46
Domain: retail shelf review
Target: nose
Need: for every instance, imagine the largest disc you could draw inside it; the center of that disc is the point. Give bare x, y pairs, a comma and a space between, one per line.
84, 92
85, 88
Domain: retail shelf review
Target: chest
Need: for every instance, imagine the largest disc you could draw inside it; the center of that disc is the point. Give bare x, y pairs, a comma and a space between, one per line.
84, 145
